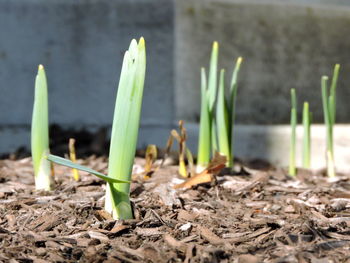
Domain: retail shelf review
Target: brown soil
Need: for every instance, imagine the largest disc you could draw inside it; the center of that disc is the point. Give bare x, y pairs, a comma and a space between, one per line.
251, 216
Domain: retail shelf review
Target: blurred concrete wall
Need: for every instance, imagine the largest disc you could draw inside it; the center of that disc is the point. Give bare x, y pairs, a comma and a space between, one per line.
285, 44
81, 44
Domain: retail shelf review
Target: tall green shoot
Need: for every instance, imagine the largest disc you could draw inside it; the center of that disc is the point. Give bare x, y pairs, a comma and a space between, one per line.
329, 112
204, 125
222, 119
217, 128
125, 129
207, 136
293, 124
232, 104
124, 133
225, 113
40, 134
307, 136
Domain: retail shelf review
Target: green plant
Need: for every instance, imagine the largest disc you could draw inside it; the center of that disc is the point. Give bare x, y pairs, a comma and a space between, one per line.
222, 119
216, 130
232, 102
225, 113
40, 134
124, 133
206, 142
293, 124
307, 136
329, 112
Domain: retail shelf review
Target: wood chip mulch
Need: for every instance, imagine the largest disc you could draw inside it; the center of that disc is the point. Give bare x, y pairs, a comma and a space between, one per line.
251, 216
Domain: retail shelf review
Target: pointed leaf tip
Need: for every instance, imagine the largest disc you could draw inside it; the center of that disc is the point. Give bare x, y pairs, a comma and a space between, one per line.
215, 45
239, 60
40, 67
142, 41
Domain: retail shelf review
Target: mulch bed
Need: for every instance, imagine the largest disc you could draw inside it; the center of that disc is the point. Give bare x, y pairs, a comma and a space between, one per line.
248, 216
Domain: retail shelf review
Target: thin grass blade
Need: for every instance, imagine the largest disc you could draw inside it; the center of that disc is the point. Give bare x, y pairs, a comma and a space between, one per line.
73, 165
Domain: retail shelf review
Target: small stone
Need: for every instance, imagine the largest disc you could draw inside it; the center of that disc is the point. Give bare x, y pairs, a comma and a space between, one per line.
185, 227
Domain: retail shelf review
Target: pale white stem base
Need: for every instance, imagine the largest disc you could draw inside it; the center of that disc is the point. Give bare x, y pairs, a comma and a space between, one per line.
200, 168
330, 165
108, 201
44, 180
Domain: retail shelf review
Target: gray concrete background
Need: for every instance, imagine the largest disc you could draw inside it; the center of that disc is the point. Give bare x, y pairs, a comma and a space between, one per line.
81, 44
285, 44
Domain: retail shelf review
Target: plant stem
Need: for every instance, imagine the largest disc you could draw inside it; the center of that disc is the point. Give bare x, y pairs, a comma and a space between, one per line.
223, 121
204, 140
327, 111
232, 104
307, 136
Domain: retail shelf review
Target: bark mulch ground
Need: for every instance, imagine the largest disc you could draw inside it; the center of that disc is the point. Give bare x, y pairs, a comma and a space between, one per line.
250, 216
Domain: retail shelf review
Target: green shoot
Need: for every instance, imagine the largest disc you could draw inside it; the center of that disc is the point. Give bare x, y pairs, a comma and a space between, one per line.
293, 124
40, 134
214, 136
213, 73
232, 106
125, 129
333, 89
204, 126
216, 129
222, 118
225, 114
207, 138
328, 111
307, 136
124, 133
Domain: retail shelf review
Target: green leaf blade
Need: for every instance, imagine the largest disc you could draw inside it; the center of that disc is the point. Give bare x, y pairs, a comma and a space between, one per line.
212, 81
222, 121
70, 164
204, 139
307, 136
232, 102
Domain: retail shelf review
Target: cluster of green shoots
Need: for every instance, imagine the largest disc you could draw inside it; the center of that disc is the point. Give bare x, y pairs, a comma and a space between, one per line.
329, 112
123, 138
217, 112
216, 127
